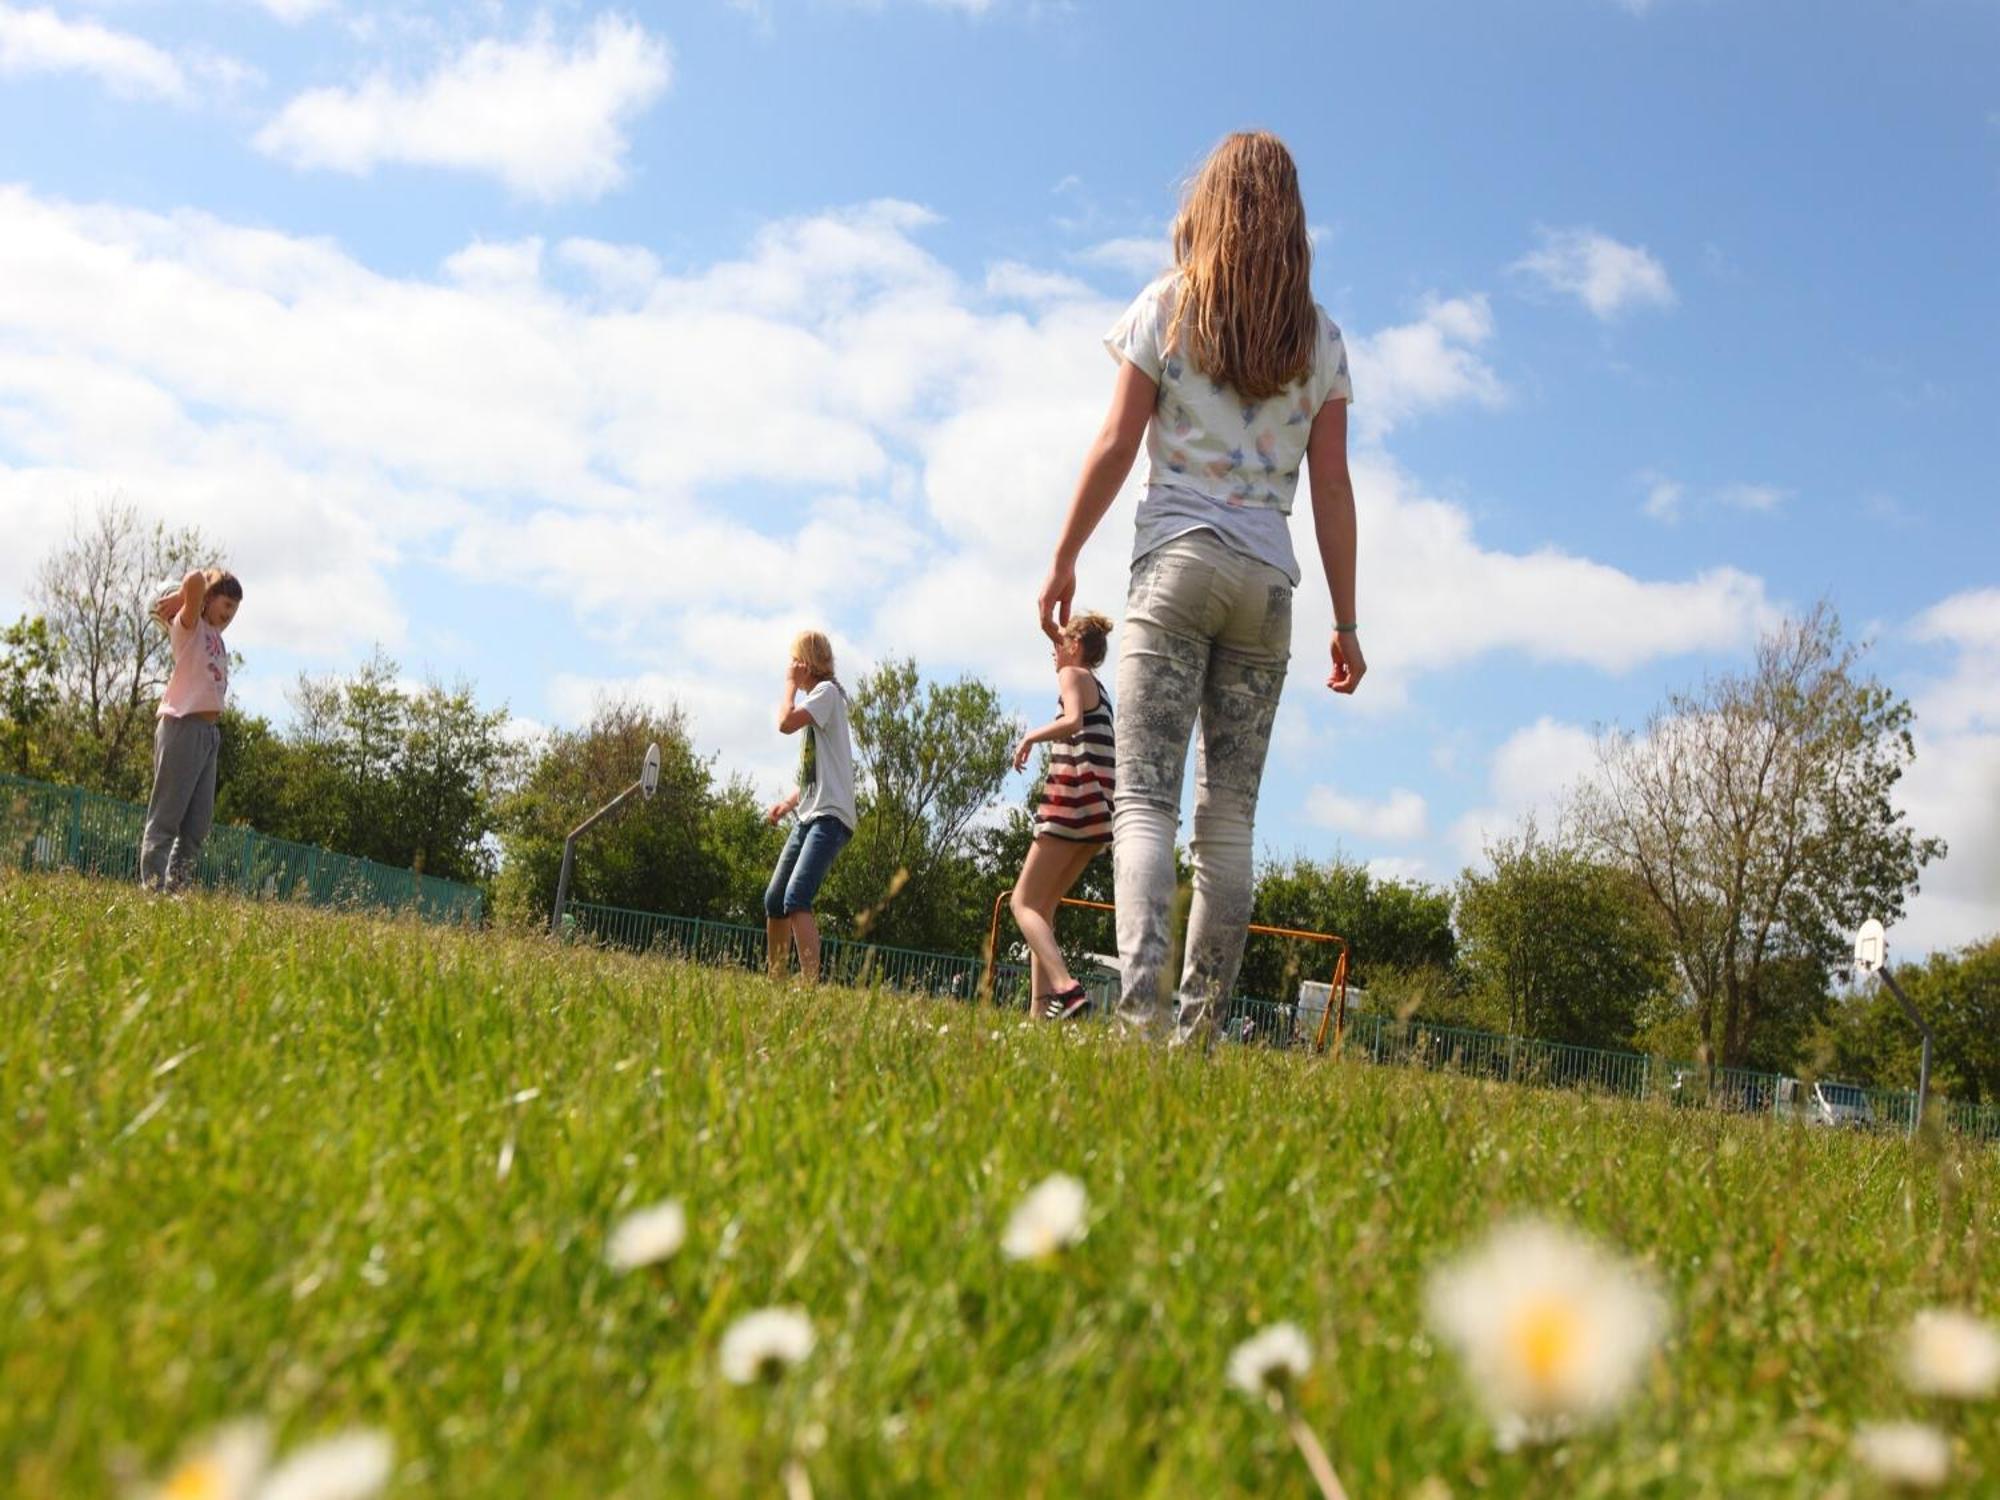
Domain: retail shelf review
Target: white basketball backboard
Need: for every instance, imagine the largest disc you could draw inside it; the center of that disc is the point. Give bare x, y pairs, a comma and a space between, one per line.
1871, 946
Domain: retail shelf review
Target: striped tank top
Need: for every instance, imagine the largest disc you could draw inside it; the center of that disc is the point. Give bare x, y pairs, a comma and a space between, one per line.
1076, 801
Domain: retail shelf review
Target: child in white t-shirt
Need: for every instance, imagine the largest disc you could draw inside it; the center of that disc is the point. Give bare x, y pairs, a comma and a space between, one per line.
823, 800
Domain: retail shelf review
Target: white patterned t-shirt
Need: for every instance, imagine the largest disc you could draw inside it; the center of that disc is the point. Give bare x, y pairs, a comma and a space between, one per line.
1215, 459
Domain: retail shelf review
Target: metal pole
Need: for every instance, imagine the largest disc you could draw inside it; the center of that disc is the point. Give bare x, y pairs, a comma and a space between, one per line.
1924, 1061
569, 855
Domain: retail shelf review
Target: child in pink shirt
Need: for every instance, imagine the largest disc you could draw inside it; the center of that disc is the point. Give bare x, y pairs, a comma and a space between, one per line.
187, 736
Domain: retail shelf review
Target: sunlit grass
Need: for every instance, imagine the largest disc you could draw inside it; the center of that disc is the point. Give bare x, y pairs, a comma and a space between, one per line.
339, 1172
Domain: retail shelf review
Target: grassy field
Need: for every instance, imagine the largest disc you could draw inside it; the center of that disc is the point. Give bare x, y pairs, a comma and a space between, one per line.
337, 1170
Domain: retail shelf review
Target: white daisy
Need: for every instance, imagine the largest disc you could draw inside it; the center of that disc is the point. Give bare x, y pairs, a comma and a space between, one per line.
352, 1466
1552, 1329
1048, 1220
1951, 1353
225, 1467
1268, 1362
1907, 1455
649, 1235
762, 1345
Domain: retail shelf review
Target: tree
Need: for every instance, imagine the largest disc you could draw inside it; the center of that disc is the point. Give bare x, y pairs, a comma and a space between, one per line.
411, 777
1756, 812
96, 593
685, 850
1563, 947
255, 775
1388, 924
28, 696
455, 762
930, 759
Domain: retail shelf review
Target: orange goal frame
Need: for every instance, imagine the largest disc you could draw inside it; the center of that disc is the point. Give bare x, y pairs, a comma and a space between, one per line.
1335, 1014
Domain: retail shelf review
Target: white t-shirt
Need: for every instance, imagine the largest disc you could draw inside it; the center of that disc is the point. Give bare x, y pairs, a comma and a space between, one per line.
826, 759
1215, 460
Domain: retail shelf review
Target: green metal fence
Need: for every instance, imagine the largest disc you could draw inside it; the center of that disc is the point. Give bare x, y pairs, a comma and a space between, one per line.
1382, 1039
45, 827
842, 960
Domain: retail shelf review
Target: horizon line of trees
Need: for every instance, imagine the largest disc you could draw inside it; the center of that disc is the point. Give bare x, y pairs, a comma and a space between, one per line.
1693, 898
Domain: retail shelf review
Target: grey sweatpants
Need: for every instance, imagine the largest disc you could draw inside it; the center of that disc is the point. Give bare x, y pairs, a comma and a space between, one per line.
182, 808
1207, 637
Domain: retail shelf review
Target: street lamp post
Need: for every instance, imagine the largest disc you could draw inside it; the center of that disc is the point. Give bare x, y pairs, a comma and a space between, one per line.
1871, 956
649, 780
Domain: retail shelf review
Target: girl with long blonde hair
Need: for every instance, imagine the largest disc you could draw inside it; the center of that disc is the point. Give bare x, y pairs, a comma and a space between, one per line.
816, 703
1235, 380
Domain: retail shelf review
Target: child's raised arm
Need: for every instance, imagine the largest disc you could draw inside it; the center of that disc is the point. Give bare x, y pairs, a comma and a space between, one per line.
184, 605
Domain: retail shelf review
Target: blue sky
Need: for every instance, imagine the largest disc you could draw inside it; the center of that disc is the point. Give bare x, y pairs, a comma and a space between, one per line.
582, 351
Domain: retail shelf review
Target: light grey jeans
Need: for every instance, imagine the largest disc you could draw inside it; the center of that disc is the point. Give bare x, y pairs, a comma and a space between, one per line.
182, 808
1207, 636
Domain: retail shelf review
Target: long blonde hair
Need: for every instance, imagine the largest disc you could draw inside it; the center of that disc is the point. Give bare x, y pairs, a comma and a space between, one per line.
1244, 314
816, 651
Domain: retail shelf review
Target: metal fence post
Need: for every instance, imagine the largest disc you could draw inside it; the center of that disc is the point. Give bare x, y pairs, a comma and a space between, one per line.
74, 854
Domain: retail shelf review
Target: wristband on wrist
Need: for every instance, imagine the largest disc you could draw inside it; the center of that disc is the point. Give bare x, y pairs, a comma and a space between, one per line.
1346, 628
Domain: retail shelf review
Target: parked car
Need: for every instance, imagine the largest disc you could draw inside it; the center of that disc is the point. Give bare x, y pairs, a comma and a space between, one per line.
1840, 1105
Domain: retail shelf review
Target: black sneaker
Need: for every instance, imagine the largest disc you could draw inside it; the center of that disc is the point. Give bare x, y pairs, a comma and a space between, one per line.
1067, 1005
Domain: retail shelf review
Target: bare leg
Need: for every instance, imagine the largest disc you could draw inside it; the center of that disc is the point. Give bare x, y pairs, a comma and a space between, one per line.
777, 944
805, 932
1047, 874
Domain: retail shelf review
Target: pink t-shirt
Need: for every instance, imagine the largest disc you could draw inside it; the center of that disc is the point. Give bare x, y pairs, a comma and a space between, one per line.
201, 671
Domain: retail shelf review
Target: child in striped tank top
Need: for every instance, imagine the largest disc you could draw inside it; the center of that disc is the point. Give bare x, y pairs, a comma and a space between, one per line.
1073, 821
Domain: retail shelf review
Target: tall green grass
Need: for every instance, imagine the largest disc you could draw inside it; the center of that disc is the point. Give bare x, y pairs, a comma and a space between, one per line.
340, 1170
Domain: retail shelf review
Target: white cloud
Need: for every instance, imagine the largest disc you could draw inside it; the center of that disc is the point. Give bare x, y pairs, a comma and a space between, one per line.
291, 12
1397, 818
1141, 257
1607, 276
548, 119
1531, 774
1754, 497
830, 427
1433, 362
1664, 497
1953, 786
1402, 868
41, 41
1667, 499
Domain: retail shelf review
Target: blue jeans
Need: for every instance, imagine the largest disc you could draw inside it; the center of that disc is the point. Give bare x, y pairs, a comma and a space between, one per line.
808, 856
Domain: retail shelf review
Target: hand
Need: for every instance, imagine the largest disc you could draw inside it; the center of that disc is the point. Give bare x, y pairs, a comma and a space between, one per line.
1022, 751
1349, 665
1057, 592
168, 607
777, 811
799, 675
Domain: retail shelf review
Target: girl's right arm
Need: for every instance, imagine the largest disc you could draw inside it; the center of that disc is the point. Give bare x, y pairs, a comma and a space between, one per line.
1104, 470
1071, 687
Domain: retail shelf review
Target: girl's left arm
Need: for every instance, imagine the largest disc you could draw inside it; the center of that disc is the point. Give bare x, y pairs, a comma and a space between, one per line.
1104, 470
